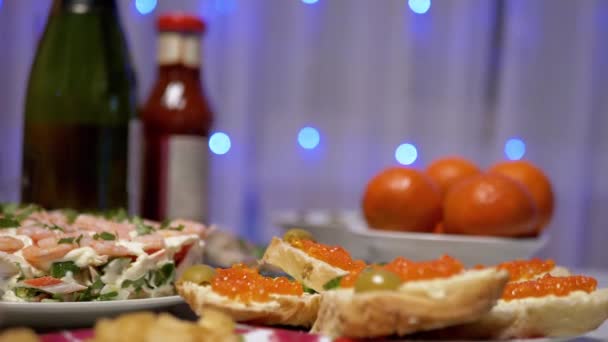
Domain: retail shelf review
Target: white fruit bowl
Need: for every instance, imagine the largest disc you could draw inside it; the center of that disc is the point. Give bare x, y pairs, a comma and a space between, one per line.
349, 230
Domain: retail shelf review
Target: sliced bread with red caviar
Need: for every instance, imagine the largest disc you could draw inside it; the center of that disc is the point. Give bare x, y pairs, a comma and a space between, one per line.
530, 269
246, 296
311, 263
398, 298
414, 306
544, 307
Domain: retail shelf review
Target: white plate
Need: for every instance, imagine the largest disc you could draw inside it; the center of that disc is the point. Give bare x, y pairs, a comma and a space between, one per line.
349, 230
75, 314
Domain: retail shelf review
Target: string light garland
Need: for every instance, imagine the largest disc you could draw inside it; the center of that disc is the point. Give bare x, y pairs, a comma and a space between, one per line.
309, 138
419, 6
406, 154
219, 143
515, 149
145, 6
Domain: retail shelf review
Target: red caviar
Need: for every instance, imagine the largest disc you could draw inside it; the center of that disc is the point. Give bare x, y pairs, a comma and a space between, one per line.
409, 270
333, 255
350, 279
548, 285
526, 269
247, 285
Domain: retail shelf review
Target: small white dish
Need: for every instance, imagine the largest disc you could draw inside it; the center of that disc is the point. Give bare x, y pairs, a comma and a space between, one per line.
350, 231
75, 314
471, 250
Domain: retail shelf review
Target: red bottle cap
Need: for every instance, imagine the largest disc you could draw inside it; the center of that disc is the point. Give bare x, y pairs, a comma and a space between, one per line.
181, 22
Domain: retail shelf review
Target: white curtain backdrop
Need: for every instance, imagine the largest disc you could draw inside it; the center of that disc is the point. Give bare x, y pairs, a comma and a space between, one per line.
370, 75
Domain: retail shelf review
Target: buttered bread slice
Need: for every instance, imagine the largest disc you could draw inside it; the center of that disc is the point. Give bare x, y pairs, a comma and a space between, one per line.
246, 296
311, 263
540, 300
387, 300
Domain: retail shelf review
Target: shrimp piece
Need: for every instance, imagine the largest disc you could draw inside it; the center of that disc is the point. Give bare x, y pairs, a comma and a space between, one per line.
60, 217
55, 217
95, 223
109, 248
42, 258
48, 242
36, 232
191, 227
71, 229
54, 240
151, 242
10, 244
98, 224
89, 222
123, 232
165, 233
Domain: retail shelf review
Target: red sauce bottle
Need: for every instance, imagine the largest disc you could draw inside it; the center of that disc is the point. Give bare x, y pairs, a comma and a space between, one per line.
176, 122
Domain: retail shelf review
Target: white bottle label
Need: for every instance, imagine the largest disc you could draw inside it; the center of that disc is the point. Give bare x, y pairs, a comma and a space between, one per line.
187, 172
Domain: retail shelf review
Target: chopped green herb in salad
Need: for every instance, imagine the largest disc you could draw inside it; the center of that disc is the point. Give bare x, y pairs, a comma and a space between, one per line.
60, 269
104, 236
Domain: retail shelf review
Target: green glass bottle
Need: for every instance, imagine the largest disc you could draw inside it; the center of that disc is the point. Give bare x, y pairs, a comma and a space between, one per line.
79, 104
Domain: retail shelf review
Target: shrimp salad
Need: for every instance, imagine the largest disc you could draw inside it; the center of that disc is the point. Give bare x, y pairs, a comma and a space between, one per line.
66, 256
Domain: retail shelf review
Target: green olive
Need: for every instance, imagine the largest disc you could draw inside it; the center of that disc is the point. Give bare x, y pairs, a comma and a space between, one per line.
297, 234
377, 279
198, 274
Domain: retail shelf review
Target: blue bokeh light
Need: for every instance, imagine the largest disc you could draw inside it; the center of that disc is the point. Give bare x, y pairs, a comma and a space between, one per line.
145, 6
406, 154
225, 6
1, 1
310, 2
219, 143
515, 149
309, 138
419, 6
